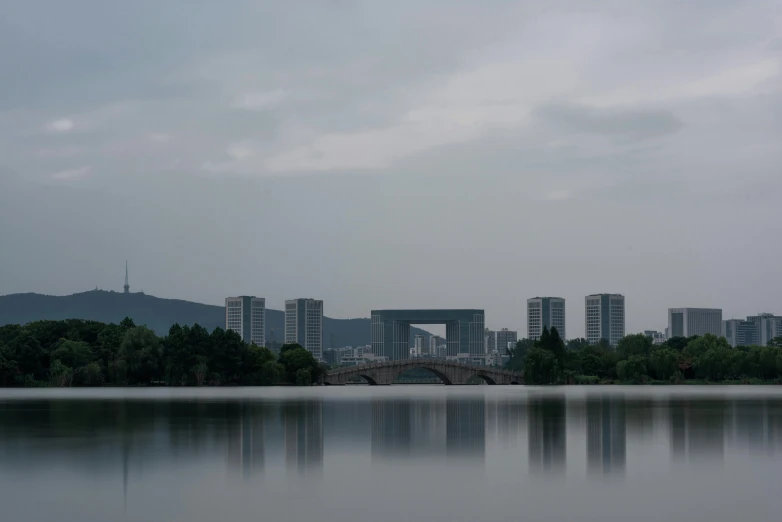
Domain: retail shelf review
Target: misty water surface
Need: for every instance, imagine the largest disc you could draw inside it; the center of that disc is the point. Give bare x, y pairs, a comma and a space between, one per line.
391, 454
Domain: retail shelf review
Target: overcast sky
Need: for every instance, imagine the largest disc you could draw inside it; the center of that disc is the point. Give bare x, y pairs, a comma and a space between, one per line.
427, 153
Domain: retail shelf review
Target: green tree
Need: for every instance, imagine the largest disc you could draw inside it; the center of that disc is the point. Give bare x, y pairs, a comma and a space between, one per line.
226, 349
8, 368
633, 369
663, 363
60, 374
597, 360
715, 364
9, 332
303, 377
546, 369
289, 346
178, 359
141, 352
700, 345
74, 354
260, 366
127, 323
295, 358
576, 344
551, 341
540, 367
521, 348
106, 348
605, 344
637, 344
29, 356
200, 370
517, 354
89, 375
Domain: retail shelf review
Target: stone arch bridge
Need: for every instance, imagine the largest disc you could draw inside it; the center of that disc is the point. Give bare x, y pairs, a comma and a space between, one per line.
450, 372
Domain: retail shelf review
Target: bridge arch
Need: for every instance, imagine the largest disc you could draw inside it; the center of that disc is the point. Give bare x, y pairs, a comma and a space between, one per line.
370, 380
485, 378
367, 378
440, 375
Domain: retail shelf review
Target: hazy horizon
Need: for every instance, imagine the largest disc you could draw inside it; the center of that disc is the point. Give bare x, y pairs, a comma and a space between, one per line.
409, 155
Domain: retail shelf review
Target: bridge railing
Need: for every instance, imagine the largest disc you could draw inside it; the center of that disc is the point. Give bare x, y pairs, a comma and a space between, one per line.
420, 363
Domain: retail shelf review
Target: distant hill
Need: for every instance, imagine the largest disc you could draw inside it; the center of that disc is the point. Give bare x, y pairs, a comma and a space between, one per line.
159, 314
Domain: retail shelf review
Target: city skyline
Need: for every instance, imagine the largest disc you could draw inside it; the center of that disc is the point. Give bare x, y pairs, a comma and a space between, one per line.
604, 320
768, 325
756, 329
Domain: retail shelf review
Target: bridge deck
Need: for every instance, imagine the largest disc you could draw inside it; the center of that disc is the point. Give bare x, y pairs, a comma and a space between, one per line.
450, 372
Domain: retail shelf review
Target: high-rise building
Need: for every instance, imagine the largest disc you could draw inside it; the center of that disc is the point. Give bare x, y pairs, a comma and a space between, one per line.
686, 322
489, 341
246, 315
434, 343
545, 312
418, 345
739, 332
605, 318
767, 327
505, 338
304, 324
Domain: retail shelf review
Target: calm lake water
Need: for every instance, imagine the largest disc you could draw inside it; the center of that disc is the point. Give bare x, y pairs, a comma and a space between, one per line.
398, 453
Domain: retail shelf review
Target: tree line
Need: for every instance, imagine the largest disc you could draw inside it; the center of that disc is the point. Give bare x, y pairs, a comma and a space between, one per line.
636, 360
89, 353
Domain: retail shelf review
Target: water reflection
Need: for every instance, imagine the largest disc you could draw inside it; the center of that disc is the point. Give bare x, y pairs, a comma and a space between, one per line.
605, 435
465, 427
546, 426
303, 436
130, 444
698, 429
245, 449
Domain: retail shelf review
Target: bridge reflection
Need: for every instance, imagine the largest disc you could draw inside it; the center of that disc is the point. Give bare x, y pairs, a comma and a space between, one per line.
428, 429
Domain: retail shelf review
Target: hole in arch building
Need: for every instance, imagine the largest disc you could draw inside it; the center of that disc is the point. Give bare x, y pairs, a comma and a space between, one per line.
464, 330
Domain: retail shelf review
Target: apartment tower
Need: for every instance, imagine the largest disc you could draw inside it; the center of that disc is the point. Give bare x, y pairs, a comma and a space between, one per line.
304, 325
246, 315
605, 318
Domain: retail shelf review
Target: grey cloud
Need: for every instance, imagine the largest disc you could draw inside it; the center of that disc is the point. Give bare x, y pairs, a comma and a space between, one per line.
631, 123
615, 143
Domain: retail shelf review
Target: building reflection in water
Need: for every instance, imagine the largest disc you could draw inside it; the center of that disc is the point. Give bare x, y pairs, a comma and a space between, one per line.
303, 425
390, 428
466, 427
428, 429
606, 438
546, 434
697, 429
128, 439
758, 425
506, 420
246, 439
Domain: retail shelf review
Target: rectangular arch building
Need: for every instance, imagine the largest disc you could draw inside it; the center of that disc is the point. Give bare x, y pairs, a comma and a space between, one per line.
464, 330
